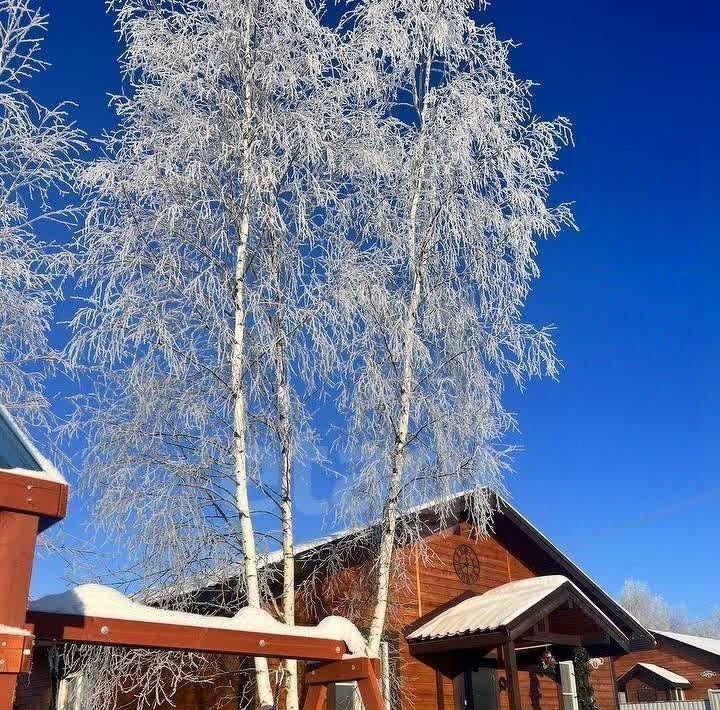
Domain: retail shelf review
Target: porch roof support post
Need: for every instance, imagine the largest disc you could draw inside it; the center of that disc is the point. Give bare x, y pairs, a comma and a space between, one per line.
511, 675
18, 533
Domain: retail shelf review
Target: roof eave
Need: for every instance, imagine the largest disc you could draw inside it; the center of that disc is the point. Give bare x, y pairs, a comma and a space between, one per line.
641, 639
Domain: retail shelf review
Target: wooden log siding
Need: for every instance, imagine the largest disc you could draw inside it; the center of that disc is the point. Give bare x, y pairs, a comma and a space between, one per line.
427, 588
417, 587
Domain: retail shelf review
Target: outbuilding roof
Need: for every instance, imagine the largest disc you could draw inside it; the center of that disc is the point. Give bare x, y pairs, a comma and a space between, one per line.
673, 679
701, 642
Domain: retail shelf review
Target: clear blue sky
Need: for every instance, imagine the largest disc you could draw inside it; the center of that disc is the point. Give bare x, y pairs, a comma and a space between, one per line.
621, 456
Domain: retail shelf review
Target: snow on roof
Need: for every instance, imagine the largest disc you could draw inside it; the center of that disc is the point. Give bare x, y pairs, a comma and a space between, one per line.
97, 600
664, 673
701, 642
577, 570
494, 609
231, 571
18, 455
227, 573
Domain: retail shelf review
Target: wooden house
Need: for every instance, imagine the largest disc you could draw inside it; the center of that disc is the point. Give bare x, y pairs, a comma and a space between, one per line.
681, 667
476, 623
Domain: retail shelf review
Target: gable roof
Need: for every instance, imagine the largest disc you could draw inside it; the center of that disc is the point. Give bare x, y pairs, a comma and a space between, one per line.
557, 562
700, 642
511, 608
23, 469
640, 638
674, 679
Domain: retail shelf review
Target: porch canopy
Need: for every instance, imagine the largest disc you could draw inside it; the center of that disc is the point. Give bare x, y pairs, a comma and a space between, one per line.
530, 613
658, 673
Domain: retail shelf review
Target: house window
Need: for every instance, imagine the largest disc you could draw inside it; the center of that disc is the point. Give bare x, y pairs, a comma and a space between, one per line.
70, 692
347, 696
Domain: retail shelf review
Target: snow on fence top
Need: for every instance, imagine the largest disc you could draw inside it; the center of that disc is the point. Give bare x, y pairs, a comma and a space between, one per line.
97, 600
18, 454
13, 631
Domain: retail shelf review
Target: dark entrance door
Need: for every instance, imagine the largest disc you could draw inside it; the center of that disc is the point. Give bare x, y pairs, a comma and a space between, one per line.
476, 689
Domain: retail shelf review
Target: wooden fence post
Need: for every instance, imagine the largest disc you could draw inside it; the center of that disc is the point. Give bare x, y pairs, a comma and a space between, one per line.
18, 533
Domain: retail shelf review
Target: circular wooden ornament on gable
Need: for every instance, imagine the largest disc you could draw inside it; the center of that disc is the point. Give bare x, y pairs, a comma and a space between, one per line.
466, 564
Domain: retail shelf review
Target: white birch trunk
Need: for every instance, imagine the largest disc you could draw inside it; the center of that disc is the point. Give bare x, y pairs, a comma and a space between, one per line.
252, 584
416, 269
389, 523
242, 501
292, 700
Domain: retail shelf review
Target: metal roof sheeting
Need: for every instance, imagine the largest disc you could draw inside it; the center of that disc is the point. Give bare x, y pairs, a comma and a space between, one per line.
494, 609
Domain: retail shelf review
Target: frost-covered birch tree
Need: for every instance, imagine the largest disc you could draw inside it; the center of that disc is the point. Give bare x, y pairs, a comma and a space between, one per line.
655, 612
457, 179
198, 250
38, 149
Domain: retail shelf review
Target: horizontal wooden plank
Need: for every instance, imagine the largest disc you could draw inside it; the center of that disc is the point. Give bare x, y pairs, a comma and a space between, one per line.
342, 671
36, 496
457, 643
15, 653
120, 632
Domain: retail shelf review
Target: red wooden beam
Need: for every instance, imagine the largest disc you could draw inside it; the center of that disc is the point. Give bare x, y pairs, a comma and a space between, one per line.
18, 533
364, 671
15, 653
141, 634
316, 698
342, 671
371, 693
35, 496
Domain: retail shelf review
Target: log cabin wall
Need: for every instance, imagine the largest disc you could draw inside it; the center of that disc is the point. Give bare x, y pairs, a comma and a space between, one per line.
420, 588
679, 658
423, 582
603, 680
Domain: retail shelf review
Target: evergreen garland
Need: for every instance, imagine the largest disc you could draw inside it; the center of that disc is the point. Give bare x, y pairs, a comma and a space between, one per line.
585, 692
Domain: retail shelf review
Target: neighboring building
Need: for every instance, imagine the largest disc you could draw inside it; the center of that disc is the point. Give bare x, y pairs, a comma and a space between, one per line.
470, 628
681, 667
